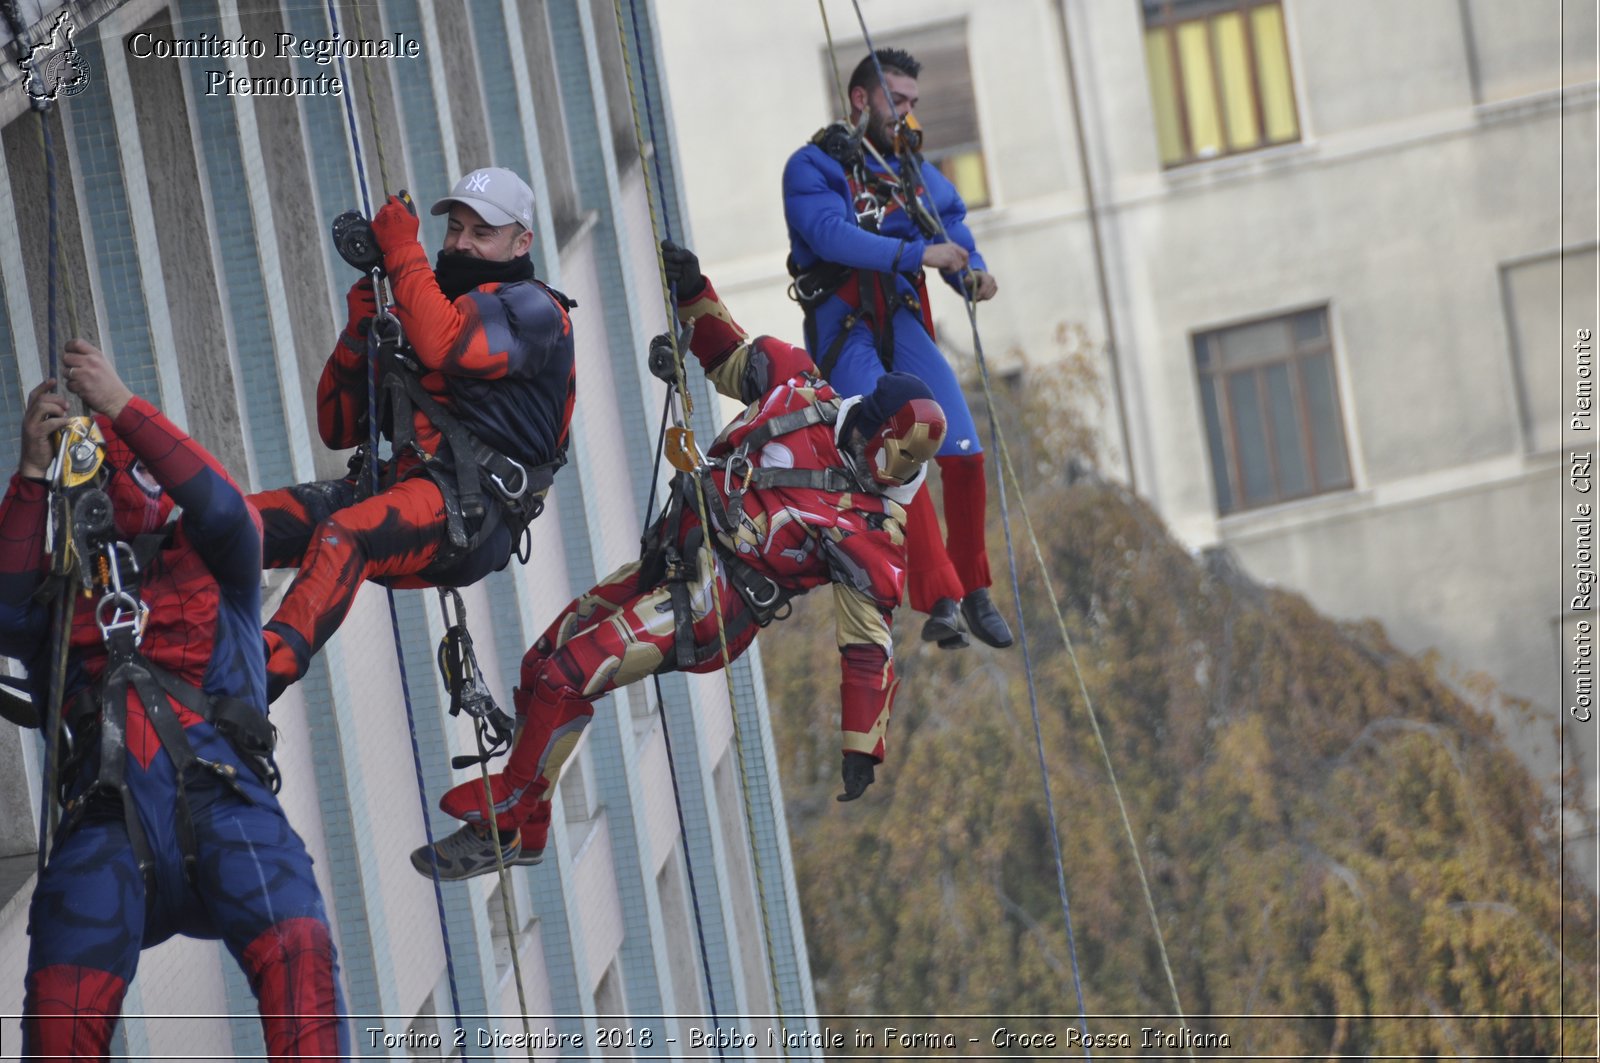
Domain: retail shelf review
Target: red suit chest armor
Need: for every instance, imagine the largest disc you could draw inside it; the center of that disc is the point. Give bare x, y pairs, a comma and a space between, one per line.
785, 528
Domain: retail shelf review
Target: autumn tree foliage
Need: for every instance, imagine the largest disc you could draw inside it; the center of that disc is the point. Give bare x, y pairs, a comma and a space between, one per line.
1337, 840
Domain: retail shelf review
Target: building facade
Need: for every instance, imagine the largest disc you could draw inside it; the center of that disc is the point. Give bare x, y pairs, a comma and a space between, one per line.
1334, 257
190, 240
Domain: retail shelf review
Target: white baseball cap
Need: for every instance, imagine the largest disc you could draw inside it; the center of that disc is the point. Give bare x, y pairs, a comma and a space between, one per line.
498, 195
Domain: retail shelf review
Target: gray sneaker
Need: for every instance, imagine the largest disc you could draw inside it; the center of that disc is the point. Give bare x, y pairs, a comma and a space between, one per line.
467, 853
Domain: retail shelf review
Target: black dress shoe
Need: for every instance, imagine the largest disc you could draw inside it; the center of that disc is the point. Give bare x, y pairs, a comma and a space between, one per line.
944, 625
984, 620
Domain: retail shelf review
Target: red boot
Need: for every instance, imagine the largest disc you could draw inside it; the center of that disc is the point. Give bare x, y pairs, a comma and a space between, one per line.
965, 508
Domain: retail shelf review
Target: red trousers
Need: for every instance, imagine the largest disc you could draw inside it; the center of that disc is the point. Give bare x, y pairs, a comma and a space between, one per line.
956, 566
613, 635
337, 543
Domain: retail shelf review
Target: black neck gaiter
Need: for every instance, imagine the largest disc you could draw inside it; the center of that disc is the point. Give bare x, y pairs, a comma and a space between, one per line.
458, 274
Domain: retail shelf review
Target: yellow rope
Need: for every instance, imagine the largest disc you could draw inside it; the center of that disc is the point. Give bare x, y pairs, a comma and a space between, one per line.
969, 296
372, 107
1083, 690
833, 61
708, 551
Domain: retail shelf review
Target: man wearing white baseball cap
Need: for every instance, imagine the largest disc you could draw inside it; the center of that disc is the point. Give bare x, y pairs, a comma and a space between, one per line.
495, 194
477, 404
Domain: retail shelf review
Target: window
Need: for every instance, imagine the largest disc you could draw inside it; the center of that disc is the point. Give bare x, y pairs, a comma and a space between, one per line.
1219, 77
947, 109
1272, 410
1536, 292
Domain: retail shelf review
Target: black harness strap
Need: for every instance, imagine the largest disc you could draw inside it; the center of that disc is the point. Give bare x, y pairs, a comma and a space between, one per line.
518, 489
111, 778
244, 727
835, 480
169, 729
685, 571
822, 412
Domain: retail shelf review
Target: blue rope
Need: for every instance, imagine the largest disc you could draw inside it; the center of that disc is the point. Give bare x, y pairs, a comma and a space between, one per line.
350, 116
650, 124
394, 614
1016, 589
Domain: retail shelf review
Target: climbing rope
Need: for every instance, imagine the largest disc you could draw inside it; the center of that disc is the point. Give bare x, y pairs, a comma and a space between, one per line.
470, 661
969, 293
643, 118
57, 283
914, 181
374, 469
672, 767
833, 61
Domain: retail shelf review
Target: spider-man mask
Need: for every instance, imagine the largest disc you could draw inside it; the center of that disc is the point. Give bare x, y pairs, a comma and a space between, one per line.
141, 505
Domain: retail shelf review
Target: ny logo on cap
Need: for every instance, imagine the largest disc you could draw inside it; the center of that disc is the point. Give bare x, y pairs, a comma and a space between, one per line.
478, 181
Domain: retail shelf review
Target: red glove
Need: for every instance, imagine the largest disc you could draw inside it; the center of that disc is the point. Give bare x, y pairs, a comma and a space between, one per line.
363, 305
395, 224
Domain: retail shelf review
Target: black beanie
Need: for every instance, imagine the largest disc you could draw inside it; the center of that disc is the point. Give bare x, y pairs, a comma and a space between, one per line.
892, 391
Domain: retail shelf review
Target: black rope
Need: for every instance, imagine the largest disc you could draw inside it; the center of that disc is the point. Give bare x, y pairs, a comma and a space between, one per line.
672, 768
394, 613
910, 162
62, 608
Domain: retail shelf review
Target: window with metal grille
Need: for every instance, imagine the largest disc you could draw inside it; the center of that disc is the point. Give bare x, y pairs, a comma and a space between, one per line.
947, 108
1219, 77
1272, 415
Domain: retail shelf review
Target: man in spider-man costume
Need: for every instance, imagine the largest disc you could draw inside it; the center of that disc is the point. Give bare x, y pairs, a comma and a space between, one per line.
858, 253
803, 489
477, 405
169, 825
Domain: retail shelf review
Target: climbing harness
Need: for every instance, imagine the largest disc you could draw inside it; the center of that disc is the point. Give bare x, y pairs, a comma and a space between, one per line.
97, 717
874, 296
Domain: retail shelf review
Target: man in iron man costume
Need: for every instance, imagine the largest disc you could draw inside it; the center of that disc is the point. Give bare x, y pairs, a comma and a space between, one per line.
802, 489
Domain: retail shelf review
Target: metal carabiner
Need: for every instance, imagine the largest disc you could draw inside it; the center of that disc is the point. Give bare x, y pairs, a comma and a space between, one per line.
740, 457
116, 597
132, 621
760, 602
522, 483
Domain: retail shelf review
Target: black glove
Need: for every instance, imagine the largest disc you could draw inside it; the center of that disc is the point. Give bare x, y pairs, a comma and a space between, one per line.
857, 775
683, 270
663, 366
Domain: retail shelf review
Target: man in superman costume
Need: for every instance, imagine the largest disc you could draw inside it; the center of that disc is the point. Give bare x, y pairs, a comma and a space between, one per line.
170, 824
860, 235
477, 401
803, 489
